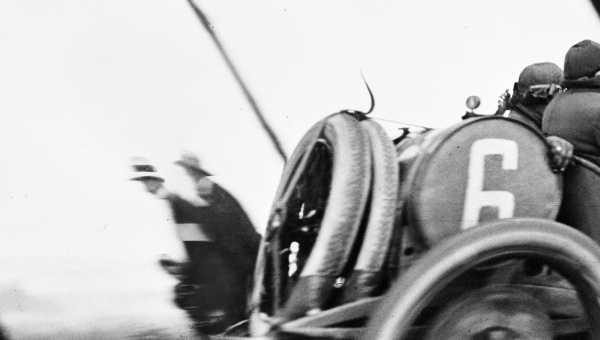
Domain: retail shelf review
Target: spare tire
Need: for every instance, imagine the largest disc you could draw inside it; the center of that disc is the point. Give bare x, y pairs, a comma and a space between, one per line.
366, 278
318, 207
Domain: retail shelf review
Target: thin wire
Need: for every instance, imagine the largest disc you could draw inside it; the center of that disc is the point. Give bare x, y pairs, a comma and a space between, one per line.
400, 123
238, 78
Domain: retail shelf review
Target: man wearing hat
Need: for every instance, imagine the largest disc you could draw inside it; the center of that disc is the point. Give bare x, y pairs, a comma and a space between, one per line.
231, 229
208, 287
575, 113
146, 173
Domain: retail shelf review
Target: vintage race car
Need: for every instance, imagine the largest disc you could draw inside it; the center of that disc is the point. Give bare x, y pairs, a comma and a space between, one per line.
461, 233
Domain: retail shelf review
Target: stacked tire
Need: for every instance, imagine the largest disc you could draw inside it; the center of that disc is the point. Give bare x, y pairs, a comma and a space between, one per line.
337, 203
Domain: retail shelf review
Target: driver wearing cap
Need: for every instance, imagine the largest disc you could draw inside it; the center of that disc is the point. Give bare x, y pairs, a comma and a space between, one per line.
538, 84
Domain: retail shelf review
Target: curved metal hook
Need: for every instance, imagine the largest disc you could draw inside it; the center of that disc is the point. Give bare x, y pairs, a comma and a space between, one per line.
361, 114
370, 94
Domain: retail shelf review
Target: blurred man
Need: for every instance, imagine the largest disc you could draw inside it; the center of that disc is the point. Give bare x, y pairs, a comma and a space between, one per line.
208, 288
230, 229
575, 113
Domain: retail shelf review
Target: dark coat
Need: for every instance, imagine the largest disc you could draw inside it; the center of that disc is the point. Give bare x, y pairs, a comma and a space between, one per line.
233, 231
220, 270
227, 224
574, 115
531, 115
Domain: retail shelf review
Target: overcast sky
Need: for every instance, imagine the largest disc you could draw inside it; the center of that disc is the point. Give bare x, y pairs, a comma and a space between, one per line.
84, 85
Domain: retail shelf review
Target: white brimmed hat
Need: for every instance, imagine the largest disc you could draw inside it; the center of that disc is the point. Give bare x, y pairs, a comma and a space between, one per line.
142, 169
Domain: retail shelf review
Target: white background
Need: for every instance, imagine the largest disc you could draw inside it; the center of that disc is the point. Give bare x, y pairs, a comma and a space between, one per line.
84, 85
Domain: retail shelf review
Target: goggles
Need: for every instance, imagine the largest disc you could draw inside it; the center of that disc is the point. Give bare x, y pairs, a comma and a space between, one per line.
544, 91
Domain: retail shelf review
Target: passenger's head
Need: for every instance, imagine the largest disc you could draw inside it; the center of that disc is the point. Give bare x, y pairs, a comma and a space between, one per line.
582, 61
537, 84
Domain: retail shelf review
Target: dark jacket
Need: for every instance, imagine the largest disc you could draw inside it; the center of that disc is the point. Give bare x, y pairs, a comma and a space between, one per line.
531, 115
228, 226
574, 115
213, 289
233, 231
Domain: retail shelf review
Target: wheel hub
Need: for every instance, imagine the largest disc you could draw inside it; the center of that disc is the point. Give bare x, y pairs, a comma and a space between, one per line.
492, 314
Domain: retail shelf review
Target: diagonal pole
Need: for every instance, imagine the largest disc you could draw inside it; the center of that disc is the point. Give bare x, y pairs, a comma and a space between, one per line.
204, 20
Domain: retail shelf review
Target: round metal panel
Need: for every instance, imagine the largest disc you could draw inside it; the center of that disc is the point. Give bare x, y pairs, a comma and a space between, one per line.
481, 170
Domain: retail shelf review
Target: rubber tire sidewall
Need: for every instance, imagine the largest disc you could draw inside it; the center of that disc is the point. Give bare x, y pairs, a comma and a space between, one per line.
367, 275
351, 175
574, 254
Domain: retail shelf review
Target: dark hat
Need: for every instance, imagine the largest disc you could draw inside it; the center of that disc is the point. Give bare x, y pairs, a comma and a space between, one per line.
142, 169
190, 161
540, 74
582, 60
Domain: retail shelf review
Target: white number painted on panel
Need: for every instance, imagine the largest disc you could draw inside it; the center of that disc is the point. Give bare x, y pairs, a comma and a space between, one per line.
475, 197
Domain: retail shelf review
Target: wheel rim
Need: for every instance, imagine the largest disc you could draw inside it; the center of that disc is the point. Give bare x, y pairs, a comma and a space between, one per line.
570, 252
296, 239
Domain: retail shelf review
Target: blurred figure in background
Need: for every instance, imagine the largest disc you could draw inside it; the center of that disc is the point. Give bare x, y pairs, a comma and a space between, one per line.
231, 228
209, 282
